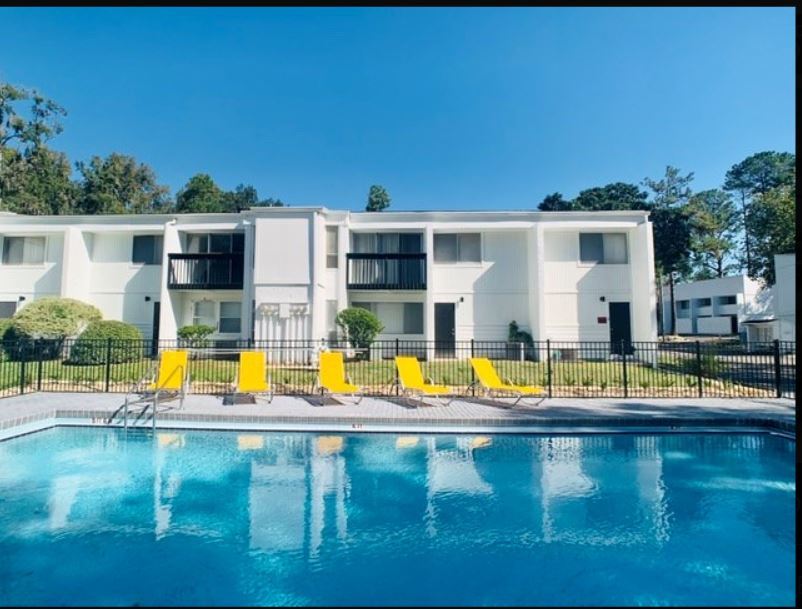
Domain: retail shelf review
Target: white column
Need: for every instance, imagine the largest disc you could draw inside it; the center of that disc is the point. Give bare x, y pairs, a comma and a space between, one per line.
535, 276
247, 329
428, 313
170, 301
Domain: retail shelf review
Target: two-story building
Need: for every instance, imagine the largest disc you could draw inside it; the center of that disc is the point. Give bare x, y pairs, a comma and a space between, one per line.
284, 273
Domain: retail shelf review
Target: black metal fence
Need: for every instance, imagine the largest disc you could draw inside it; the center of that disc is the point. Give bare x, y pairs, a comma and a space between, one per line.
563, 369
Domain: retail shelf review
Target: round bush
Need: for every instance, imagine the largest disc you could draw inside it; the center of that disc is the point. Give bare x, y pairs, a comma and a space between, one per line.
38, 330
54, 318
93, 346
360, 325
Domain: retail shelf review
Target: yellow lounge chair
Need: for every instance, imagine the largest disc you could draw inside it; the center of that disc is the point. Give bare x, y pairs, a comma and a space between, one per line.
332, 378
252, 377
168, 380
410, 377
493, 386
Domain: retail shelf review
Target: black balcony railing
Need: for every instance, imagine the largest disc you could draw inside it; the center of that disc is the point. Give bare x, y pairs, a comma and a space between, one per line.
206, 271
386, 272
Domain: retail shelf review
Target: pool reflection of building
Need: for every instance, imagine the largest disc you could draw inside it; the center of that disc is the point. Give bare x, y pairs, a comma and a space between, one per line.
306, 491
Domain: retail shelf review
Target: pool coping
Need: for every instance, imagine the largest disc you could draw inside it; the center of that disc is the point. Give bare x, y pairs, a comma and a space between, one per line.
34, 422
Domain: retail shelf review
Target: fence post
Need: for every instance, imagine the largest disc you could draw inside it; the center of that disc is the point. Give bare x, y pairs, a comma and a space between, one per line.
699, 366
25, 349
108, 363
39, 367
473, 375
397, 353
548, 364
624, 368
777, 369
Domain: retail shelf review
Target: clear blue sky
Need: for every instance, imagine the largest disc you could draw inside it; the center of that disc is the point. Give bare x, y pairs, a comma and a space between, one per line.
447, 108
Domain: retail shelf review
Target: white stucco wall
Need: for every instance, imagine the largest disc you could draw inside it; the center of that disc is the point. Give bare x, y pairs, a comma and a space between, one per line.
785, 296
493, 291
33, 281
572, 290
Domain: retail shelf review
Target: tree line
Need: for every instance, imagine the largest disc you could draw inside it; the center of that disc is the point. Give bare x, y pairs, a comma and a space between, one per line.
37, 179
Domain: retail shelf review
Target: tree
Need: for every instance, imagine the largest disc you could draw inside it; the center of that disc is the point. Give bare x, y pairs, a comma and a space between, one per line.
555, 202
378, 199
714, 221
245, 197
37, 182
772, 226
671, 190
756, 175
200, 195
120, 185
615, 196
672, 232
22, 133
42, 123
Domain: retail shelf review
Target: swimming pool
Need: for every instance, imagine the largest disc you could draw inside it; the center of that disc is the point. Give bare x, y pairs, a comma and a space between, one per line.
95, 516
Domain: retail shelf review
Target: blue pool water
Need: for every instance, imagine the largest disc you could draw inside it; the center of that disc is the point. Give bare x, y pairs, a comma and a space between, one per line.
92, 516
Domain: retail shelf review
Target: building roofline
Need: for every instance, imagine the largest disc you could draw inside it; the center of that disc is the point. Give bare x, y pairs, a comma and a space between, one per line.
389, 216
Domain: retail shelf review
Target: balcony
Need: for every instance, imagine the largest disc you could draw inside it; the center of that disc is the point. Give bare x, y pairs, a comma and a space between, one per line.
205, 271
386, 271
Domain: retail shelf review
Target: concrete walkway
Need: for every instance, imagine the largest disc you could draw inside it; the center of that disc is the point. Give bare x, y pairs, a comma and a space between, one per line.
386, 414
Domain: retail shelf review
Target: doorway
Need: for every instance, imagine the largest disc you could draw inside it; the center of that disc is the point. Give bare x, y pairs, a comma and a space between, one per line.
444, 334
620, 328
154, 343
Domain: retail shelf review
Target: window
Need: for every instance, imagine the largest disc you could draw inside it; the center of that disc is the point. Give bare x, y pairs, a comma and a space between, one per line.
703, 302
7, 309
683, 304
147, 249
331, 247
413, 318
203, 313
386, 243
603, 248
457, 247
396, 317
23, 250
215, 243
230, 317
727, 300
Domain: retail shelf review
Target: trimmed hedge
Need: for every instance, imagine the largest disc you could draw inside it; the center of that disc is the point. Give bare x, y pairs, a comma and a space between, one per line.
47, 322
92, 346
54, 318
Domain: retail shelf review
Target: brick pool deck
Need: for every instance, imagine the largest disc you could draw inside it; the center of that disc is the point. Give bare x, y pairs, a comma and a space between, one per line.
31, 412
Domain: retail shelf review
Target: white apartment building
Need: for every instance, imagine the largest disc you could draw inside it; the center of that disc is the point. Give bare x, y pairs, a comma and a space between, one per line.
284, 273
716, 307
777, 322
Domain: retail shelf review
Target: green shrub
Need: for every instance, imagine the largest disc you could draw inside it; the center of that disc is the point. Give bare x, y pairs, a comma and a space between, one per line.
569, 380
644, 384
710, 366
516, 335
587, 382
93, 346
195, 335
38, 330
603, 385
54, 318
360, 325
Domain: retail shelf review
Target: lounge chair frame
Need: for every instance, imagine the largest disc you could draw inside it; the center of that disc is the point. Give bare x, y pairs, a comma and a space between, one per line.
266, 395
325, 391
496, 393
409, 393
